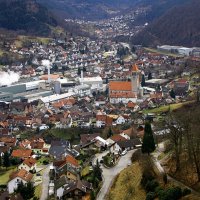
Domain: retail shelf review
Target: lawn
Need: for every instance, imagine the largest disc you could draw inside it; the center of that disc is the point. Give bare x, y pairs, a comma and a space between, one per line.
162, 52
127, 185
5, 174
167, 107
85, 171
38, 190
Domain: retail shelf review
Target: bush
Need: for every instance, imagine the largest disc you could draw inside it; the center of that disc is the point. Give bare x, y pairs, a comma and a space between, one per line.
151, 186
186, 192
173, 193
45, 162
165, 178
150, 196
146, 176
136, 155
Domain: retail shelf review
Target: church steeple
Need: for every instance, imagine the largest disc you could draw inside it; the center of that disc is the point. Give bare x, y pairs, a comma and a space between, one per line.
135, 79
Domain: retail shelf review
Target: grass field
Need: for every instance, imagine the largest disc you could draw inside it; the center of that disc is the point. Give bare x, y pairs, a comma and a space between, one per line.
170, 107
38, 190
162, 52
127, 185
20, 39
5, 174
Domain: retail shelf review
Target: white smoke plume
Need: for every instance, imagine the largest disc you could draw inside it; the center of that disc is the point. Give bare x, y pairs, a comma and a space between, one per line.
46, 63
7, 78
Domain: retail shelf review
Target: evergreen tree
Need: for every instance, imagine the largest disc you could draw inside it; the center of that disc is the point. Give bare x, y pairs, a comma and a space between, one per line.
27, 191
79, 71
148, 143
6, 160
172, 94
0, 161
110, 133
143, 81
149, 76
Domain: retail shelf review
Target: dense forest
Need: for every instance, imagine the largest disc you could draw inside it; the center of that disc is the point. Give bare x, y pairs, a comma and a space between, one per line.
179, 26
27, 16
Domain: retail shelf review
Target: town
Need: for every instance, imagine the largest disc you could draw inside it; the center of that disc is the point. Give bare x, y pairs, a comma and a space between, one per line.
73, 115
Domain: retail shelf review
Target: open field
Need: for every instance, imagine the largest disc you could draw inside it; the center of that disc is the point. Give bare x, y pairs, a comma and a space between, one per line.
170, 107
162, 52
5, 174
20, 39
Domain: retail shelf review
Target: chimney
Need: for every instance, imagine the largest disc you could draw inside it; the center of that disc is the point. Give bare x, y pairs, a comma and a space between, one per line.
49, 74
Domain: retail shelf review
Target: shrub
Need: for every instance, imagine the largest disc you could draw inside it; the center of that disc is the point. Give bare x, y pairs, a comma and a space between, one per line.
186, 192
45, 162
173, 193
150, 196
165, 178
146, 176
151, 185
136, 155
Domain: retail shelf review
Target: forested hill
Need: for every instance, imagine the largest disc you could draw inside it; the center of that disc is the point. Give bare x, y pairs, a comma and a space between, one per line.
179, 26
27, 16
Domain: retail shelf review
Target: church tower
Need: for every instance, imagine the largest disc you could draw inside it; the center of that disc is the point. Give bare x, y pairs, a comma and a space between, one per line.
135, 80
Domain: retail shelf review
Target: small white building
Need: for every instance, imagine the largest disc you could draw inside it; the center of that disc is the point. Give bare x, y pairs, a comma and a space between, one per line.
20, 176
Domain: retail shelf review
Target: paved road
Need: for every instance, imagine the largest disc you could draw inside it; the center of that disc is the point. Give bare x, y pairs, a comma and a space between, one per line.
45, 183
109, 174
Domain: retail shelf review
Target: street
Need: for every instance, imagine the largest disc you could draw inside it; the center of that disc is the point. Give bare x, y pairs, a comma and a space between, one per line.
109, 174
45, 183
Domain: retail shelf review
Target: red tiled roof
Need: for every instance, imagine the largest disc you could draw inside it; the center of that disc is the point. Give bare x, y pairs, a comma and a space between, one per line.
72, 160
120, 86
117, 138
52, 77
30, 162
23, 174
131, 104
21, 153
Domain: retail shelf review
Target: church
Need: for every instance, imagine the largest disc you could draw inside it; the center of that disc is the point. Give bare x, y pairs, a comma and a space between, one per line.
125, 91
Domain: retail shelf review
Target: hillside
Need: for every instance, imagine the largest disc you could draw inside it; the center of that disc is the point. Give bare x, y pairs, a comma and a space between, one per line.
179, 26
26, 16
87, 9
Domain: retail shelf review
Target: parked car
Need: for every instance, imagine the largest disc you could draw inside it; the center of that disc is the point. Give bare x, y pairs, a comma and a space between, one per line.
124, 152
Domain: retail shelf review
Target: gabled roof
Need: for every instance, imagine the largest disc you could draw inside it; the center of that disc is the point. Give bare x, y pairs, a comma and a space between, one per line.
23, 174
21, 153
120, 86
129, 143
29, 162
71, 160
117, 138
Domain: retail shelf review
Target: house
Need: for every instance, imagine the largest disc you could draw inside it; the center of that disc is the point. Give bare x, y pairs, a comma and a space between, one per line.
120, 120
28, 164
72, 161
58, 149
20, 176
38, 146
62, 168
67, 189
120, 146
21, 153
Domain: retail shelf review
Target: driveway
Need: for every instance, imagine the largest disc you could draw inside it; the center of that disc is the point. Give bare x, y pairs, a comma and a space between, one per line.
109, 174
45, 183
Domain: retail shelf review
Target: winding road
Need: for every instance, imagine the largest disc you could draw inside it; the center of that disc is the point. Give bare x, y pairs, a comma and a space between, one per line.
45, 183
110, 174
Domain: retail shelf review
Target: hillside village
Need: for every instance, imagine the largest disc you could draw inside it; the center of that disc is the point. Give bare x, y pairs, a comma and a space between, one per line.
78, 106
